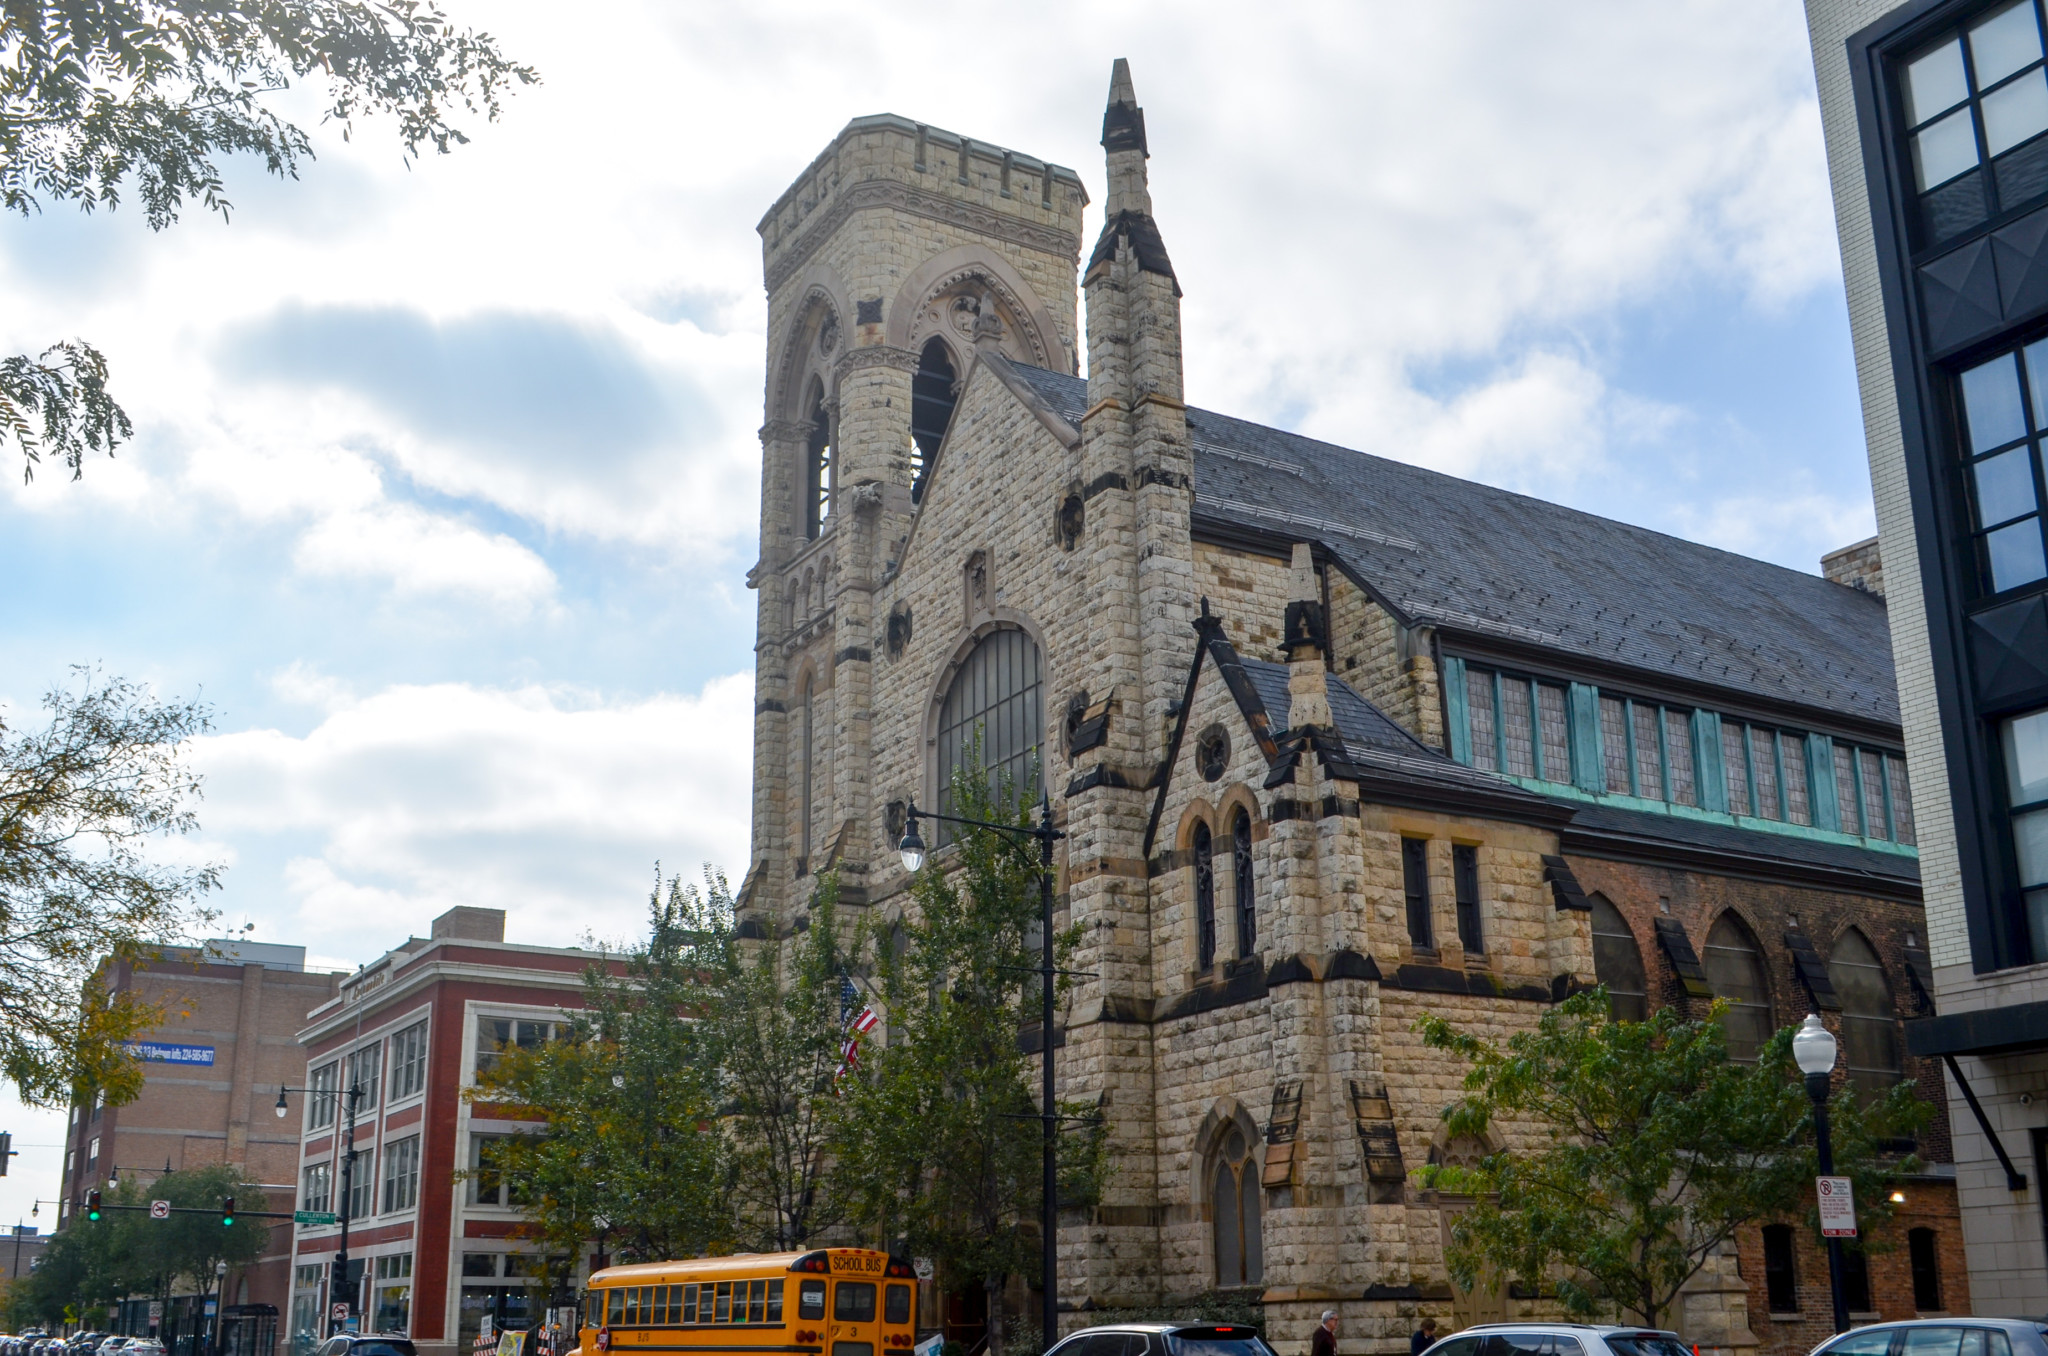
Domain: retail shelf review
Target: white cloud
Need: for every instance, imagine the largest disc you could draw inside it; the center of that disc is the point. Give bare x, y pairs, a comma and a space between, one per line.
552, 804
423, 553
1799, 524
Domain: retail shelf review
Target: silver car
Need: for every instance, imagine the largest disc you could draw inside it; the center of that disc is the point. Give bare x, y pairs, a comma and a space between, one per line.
1942, 1337
1165, 1339
1560, 1339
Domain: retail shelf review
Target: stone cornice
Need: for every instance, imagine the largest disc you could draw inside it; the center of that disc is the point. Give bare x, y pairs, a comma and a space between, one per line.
873, 355
785, 431
902, 197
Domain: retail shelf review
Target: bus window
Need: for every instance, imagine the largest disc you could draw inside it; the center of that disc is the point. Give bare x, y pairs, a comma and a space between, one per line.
810, 1299
775, 1301
689, 1304
854, 1303
633, 1307
757, 1302
722, 1303
617, 1308
896, 1304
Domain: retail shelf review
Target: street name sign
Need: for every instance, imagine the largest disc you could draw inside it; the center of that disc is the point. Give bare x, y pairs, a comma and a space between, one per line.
313, 1217
1837, 1207
159, 1209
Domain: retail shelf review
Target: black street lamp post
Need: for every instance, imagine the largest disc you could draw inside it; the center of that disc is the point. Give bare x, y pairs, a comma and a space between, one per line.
339, 1285
1813, 1050
913, 850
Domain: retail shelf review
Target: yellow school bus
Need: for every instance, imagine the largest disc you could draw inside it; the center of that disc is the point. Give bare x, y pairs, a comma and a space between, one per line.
828, 1302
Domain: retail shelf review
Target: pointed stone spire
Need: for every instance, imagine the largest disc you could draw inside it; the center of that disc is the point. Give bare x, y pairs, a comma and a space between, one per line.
1308, 686
1123, 137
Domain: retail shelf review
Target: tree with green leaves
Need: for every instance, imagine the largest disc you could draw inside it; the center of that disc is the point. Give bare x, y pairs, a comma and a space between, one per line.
92, 1264
772, 1016
81, 798
99, 94
939, 1135
1647, 1148
629, 1102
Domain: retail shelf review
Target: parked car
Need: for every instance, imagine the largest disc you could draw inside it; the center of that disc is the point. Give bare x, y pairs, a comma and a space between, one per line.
1560, 1339
143, 1346
1942, 1337
367, 1344
1157, 1339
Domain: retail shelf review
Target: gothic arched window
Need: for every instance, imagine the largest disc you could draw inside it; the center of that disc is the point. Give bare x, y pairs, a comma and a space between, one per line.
931, 409
1205, 898
1234, 1212
1735, 967
1618, 962
818, 467
805, 756
997, 700
1241, 873
1870, 1028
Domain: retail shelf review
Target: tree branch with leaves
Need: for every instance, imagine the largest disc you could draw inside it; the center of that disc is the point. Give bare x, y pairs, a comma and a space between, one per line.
81, 798
99, 94
1649, 1149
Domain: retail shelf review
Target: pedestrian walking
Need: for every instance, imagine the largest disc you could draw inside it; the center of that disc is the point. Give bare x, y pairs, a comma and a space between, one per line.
1422, 1338
1324, 1342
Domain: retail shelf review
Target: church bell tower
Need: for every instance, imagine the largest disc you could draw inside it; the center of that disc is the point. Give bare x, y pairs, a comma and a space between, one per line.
899, 251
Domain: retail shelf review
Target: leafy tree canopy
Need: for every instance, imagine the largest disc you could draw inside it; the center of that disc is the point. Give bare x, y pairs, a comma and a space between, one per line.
99, 94
80, 798
91, 1264
629, 1098
1636, 1149
940, 1138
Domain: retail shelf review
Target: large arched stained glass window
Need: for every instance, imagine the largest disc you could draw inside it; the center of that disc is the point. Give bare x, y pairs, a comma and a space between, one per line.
1870, 1028
1234, 1211
1735, 967
996, 700
1618, 962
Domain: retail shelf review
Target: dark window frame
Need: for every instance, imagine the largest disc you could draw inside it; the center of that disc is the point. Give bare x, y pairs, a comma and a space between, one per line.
1205, 896
1415, 886
1242, 884
1465, 889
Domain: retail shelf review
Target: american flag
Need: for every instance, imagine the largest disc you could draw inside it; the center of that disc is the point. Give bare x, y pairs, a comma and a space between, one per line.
849, 1054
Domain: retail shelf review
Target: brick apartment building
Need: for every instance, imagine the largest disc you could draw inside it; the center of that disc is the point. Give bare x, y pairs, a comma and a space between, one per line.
211, 1073
430, 1254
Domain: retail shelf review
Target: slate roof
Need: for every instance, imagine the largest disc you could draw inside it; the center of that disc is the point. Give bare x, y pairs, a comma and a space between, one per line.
1469, 558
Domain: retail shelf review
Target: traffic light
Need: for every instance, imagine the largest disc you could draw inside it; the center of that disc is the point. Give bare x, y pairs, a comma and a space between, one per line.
92, 1205
227, 1210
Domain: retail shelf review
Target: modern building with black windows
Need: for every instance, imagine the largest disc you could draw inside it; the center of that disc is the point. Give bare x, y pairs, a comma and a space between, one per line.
1937, 129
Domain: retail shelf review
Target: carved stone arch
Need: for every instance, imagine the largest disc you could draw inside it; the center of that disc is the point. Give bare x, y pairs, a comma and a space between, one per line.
923, 306
1223, 1114
1229, 1169
1199, 811
1233, 797
820, 293
1459, 1151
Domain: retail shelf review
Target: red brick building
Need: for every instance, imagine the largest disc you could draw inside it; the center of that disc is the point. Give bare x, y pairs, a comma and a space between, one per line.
430, 1254
211, 1072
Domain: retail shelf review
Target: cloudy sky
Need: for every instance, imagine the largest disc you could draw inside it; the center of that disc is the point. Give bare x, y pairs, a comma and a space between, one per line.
443, 486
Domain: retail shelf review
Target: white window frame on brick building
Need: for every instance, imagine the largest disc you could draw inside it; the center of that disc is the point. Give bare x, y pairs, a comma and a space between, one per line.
408, 1062
401, 1174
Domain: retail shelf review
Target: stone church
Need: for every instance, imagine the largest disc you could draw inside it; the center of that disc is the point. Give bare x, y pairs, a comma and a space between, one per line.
1335, 741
